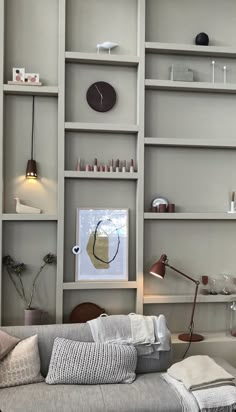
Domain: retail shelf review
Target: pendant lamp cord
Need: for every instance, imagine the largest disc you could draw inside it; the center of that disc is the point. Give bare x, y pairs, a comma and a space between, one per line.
32, 133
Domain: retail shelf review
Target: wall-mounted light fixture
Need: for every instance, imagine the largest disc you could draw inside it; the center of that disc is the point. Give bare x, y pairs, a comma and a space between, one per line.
31, 169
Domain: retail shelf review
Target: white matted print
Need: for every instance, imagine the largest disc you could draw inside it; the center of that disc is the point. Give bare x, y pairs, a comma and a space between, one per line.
103, 238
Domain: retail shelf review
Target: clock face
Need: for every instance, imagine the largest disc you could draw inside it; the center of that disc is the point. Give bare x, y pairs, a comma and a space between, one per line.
101, 96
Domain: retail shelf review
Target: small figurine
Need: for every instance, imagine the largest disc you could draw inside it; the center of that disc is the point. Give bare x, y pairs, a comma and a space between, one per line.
106, 45
20, 208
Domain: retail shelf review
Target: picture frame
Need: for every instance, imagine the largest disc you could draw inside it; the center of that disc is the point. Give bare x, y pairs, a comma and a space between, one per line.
103, 238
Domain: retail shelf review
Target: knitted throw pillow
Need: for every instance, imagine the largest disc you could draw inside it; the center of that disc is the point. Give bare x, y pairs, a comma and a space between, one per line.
74, 362
22, 365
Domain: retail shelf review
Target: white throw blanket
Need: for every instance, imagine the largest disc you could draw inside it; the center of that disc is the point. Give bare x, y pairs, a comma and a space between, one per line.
216, 399
149, 334
198, 370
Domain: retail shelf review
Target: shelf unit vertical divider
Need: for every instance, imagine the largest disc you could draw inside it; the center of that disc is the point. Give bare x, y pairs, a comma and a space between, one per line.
140, 153
61, 156
1, 138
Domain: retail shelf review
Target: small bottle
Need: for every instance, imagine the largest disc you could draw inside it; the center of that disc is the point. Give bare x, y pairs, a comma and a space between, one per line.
117, 165
112, 166
131, 169
124, 166
88, 168
101, 169
78, 167
95, 165
106, 169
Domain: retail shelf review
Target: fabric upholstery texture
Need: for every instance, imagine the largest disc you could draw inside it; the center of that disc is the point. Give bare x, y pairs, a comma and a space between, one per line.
79, 332
91, 363
148, 393
22, 365
7, 343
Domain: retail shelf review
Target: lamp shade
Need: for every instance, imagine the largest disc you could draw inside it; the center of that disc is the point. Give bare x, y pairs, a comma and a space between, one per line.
31, 169
159, 268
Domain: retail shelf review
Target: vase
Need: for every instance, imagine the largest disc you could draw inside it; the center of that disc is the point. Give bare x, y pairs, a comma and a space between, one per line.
34, 316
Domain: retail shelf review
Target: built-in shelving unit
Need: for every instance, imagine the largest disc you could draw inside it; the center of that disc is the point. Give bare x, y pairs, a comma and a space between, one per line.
150, 299
32, 217
190, 86
189, 49
92, 58
99, 285
30, 90
100, 127
190, 216
101, 175
207, 143
182, 136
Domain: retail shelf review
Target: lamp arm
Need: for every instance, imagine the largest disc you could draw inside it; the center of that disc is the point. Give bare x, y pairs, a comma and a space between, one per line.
183, 274
197, 283
193, 309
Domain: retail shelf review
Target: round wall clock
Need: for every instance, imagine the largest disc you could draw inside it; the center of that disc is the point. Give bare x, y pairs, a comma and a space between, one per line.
101, 96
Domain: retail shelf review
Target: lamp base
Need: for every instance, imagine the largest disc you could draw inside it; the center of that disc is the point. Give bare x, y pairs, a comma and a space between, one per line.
187, 337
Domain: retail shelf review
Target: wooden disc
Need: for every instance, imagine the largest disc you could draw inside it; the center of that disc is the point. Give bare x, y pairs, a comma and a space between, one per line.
84, 312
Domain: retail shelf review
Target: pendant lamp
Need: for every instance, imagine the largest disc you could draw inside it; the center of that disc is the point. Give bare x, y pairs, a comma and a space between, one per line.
31, 169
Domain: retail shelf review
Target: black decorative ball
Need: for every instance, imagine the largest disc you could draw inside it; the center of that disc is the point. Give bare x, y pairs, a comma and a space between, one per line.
202, 39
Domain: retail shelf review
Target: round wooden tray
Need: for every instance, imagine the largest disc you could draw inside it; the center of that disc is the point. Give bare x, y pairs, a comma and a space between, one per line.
84, 312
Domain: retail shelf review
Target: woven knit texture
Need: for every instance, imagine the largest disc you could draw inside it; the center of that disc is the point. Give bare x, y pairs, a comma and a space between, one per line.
22, 365
74, 362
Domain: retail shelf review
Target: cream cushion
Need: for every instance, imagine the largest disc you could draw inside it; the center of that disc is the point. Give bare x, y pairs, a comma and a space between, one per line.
7, 343
22, 365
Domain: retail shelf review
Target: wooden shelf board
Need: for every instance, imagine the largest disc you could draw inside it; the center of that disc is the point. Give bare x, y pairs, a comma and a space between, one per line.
150, 299
32, 217
211, 143
101, 175
100, 285
190, 86
31, 90
190, 49
94, 58
100, 127
209, 337
190, 216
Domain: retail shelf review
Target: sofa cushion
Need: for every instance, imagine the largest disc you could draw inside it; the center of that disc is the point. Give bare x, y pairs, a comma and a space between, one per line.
22, 365
79, 332
46, 336
91, 363
7, 343
148, 393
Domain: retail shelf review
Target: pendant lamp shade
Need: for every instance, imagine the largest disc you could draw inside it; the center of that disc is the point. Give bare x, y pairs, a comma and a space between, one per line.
31, 169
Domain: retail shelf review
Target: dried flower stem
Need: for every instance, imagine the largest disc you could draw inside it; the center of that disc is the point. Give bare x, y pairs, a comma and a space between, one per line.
21, 294
33, 285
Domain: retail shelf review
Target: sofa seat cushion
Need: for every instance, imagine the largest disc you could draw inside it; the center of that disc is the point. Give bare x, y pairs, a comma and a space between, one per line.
147, 393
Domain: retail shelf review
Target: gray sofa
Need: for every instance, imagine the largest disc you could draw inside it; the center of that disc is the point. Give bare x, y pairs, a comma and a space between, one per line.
147, 393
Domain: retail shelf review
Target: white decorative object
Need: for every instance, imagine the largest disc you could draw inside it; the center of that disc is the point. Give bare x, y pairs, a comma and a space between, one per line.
225, 74
18, 74
213, 71
232, 203
20, 208
76, 250
32, 78
106, 45
24, 79
103, 238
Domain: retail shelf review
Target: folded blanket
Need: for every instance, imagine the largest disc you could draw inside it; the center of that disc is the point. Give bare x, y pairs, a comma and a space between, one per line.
187, 400
198, 370
149, 334
216, 399
220, 398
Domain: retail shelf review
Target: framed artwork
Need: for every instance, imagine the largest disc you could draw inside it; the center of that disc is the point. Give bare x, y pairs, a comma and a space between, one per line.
102, 236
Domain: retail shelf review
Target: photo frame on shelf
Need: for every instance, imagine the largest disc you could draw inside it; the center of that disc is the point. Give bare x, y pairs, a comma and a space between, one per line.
103, 238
